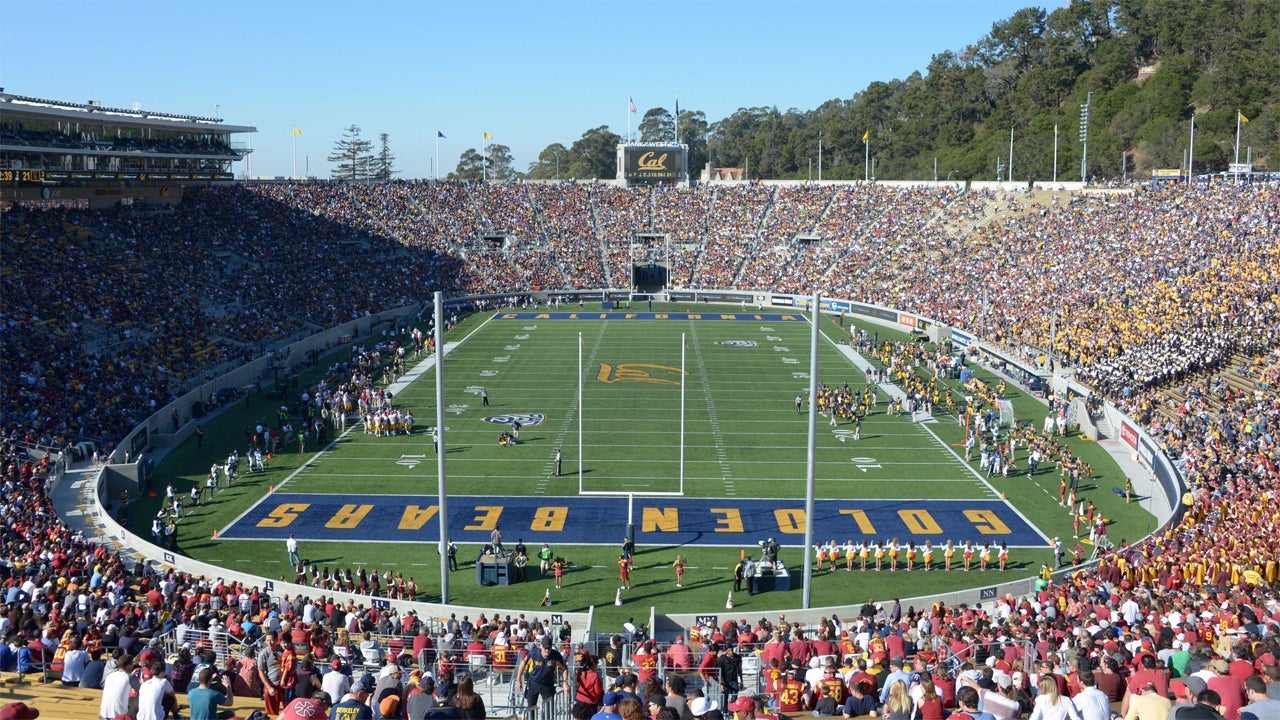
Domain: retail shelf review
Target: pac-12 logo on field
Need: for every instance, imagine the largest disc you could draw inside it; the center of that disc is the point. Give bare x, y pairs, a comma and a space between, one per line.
737, 343
525, 419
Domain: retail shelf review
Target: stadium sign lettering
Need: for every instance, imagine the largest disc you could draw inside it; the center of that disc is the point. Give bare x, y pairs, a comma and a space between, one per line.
647, 161
660, 521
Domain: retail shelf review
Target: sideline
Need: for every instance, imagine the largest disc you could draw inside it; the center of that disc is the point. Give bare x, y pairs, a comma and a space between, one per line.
396, 387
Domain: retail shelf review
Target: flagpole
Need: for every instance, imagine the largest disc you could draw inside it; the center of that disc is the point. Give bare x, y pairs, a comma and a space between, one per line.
866, 170
683, 347
1010, 175
436, 173
1055, 154
677, 118
1191, 154
442, 477
294, 134
811, 464
1238, 116
630, 102
580, 411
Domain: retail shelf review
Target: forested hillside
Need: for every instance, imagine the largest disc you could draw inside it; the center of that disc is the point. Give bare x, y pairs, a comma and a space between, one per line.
1150, 64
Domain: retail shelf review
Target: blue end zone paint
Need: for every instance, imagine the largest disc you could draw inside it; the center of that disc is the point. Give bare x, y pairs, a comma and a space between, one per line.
603, 520
617, 315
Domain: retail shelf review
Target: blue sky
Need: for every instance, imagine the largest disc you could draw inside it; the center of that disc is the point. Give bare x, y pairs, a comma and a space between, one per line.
530, 73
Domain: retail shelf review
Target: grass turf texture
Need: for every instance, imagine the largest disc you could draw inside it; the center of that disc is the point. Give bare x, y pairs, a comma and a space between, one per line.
754, 448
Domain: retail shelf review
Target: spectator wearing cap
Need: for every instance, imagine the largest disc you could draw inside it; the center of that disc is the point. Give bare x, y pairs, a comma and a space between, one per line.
1230, 691
543, 670
730, 667
990, 698
703, 709
1260, 707
1207, 706
307, 708
679, 656
354, 706
896, 673
744, 707
388, 685
608, 707
336, 683
18, 711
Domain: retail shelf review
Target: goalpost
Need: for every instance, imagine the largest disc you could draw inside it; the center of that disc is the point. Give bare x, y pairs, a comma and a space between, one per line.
582, 458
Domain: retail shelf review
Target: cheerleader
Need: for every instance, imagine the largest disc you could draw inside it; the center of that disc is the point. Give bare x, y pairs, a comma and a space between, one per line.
820, 553
879, 551
968, 555
864, 552
893, 555
985, 556
928, 555
911, 555
849, 553
948, 554
1004, 555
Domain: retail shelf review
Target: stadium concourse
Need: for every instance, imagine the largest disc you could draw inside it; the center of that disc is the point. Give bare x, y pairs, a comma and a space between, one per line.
1147, 295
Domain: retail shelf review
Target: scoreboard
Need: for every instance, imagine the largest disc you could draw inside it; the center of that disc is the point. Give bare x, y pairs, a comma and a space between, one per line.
652, 163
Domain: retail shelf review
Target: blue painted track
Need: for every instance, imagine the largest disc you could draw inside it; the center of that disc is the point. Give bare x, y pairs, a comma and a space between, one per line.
602, 520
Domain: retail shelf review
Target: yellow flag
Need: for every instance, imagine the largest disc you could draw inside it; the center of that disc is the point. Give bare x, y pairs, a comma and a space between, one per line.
296, 131
1242, 117
487, 136
866, 136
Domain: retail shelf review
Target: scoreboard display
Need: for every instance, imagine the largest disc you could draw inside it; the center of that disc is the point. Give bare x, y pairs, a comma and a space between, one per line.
653, 162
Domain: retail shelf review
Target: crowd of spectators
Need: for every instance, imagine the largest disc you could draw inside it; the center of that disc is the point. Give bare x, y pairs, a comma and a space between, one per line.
1136, 291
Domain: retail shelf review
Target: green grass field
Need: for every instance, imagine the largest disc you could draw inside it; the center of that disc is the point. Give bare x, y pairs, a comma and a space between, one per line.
743, 439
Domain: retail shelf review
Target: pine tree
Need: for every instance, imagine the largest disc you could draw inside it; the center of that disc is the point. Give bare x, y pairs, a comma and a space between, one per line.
384, 163
352, 155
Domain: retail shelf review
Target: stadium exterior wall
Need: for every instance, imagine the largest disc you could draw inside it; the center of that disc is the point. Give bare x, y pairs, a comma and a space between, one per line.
1146, 449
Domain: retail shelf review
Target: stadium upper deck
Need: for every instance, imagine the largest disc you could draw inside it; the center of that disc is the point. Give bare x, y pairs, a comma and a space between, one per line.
52, 141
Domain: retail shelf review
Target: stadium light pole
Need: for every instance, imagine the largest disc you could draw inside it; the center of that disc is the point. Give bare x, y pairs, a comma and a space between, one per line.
441, 480
812, 447
819, 156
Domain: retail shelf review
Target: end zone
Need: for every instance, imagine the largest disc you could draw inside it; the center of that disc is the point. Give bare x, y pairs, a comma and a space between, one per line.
659, 521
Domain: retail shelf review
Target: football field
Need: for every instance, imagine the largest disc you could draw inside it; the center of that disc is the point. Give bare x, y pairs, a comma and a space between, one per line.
683, 423
687, 432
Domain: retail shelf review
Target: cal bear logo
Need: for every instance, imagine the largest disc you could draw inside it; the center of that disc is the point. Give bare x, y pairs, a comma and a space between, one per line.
525, 419
639, 372
737, 343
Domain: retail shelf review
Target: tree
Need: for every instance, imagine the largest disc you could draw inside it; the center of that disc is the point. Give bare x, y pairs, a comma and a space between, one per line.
384, 163
499, 157
598, 151
657, 127
470, 166
552, 163
352, 155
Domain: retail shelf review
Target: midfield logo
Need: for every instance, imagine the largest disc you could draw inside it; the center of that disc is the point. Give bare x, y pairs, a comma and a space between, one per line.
639, 372
737, 343
525, 419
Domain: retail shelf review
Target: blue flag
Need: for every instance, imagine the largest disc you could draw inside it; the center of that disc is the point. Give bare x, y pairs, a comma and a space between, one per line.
440, 135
